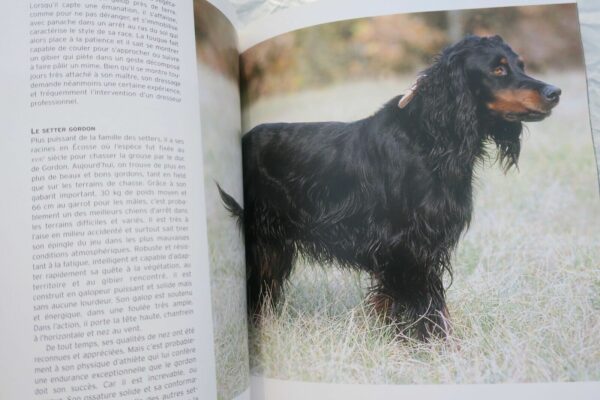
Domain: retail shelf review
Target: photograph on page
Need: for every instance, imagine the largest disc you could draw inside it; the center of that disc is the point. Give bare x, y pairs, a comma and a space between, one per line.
218, 88
443, 231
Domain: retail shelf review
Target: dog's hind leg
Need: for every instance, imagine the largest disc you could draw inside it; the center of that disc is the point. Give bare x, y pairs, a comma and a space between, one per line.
268, 266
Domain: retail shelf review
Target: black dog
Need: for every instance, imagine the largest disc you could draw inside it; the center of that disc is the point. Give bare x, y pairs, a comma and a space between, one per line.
390, 194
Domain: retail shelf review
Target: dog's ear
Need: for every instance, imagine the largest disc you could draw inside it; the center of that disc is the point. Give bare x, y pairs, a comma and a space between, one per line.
462, 98
410, 93
449, 106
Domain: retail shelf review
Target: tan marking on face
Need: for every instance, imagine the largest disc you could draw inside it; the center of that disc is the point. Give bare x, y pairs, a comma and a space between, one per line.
517, 101
504, 61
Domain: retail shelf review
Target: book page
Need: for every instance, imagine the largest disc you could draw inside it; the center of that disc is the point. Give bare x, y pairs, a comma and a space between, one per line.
589, 11
522, 286
106, 287
218, 74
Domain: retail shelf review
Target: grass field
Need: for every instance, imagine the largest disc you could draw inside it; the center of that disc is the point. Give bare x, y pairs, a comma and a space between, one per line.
525, 301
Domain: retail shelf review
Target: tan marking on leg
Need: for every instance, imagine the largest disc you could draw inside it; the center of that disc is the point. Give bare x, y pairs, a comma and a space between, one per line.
381, 303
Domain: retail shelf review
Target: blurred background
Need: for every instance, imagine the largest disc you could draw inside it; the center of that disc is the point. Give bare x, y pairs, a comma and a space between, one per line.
382, 47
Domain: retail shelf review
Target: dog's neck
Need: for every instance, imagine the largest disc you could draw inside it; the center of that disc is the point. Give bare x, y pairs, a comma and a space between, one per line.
452, 147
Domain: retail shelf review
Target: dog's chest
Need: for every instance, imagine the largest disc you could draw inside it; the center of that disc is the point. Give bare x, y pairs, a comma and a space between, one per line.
444, 205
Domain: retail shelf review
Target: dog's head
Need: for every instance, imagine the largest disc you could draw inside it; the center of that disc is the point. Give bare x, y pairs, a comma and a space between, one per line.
497, 76
481, 85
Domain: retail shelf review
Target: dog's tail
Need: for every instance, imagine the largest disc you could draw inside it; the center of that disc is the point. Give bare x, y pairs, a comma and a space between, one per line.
232, 206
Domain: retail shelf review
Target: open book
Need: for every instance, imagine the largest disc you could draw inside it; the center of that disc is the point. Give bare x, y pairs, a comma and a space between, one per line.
439, 239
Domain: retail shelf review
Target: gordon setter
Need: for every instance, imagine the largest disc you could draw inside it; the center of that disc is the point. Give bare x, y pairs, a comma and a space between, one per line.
390, 194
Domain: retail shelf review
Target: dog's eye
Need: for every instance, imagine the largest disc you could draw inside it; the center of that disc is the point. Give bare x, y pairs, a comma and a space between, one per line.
500, 70
521, 65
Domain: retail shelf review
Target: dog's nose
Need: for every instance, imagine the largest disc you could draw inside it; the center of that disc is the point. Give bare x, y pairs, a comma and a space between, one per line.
551, 93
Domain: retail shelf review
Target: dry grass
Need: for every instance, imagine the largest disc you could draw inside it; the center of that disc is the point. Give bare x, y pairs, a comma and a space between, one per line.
526, 295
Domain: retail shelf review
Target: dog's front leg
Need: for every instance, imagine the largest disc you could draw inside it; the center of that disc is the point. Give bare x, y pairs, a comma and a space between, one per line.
410, 292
